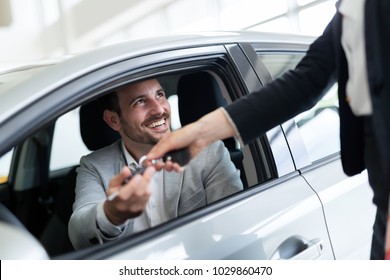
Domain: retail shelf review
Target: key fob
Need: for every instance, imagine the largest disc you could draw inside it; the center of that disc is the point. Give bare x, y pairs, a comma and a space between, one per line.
180, 156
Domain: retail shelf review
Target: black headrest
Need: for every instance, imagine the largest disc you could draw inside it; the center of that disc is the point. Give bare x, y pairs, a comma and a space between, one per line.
95, 133
199, 94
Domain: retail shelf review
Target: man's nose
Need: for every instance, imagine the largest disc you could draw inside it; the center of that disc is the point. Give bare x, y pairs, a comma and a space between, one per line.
156, 108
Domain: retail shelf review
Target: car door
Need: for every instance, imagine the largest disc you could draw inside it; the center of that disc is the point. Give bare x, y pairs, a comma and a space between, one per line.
347, 201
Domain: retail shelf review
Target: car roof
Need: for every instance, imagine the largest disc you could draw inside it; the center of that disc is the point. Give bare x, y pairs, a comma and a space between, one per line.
65, 69
132, 48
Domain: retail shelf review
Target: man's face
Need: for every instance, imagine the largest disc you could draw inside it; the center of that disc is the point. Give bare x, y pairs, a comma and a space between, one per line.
145, 112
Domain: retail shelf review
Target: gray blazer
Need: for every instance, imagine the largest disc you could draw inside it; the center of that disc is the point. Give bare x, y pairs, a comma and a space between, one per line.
209, 177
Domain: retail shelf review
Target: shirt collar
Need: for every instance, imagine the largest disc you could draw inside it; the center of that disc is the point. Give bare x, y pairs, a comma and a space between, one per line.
130, 161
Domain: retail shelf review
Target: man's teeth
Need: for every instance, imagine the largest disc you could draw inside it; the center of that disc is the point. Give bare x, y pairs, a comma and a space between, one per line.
155, 124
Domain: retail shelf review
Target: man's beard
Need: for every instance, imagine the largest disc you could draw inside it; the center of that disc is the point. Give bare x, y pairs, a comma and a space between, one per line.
142, 138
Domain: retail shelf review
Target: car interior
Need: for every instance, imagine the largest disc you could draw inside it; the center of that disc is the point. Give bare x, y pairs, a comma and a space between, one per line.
41, 199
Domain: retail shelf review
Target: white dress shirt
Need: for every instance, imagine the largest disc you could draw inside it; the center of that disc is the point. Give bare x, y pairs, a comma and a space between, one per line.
353, 42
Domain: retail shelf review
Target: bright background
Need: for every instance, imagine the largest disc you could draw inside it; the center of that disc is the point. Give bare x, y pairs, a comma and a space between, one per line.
32, 30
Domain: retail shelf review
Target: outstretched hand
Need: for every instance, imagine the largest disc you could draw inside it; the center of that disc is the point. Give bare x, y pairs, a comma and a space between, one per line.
195, 137
182, 138
132, 197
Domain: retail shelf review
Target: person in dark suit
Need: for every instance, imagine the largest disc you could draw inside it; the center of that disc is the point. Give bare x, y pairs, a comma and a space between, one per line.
354, 50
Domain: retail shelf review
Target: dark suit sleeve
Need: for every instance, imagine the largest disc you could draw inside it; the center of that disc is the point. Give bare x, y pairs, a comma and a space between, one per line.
294, 92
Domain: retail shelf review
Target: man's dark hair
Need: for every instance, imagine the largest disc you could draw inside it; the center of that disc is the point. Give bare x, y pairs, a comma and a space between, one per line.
110, 102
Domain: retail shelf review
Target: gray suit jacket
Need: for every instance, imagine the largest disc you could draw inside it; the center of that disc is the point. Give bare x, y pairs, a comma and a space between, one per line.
207, 178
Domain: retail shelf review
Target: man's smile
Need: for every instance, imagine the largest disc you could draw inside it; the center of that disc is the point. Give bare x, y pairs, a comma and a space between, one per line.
156, 123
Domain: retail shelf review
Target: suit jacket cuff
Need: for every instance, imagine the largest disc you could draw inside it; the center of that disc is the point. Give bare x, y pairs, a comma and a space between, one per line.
105, 226
237, 135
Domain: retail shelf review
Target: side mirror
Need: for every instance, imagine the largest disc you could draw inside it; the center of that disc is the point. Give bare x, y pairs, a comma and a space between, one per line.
18, 244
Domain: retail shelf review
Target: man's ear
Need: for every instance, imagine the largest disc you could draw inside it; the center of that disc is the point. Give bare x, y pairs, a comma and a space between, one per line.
112, 119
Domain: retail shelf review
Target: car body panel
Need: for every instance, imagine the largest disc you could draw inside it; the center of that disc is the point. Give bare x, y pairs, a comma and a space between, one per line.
348, 222
241, 231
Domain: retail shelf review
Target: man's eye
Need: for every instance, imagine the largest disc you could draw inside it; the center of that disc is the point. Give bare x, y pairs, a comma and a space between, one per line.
161, 94
139, 101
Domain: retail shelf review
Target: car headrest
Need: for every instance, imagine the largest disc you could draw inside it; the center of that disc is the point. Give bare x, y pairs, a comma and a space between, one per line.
199, 94
95, 133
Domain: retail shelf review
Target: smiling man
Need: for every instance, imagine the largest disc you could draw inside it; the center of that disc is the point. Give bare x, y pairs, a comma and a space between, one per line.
140, 113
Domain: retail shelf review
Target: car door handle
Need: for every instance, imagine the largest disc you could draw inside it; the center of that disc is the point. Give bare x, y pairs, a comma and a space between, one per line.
296, 248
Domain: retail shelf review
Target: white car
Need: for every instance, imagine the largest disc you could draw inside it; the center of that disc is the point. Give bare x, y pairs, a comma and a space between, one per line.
297, 203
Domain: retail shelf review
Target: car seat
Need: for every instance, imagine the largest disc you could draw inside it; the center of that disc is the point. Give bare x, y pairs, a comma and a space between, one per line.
199, 94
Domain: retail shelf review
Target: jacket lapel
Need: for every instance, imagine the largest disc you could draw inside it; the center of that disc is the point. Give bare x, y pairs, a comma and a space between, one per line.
121, 162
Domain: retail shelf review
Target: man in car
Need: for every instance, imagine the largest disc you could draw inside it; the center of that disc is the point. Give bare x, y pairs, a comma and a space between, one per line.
141, 114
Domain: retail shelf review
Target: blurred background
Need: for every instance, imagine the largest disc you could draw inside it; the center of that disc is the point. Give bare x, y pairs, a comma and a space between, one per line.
32, 30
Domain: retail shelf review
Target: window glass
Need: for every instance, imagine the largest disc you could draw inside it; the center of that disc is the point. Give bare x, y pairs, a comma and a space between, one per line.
319, 127
68, 146
278, 63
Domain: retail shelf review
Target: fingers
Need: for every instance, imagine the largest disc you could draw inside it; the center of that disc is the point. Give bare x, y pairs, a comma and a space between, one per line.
164, 145
132, 197
195, 136
138, 186
173, 166
117, 180
158, 165
149, 172
170, 144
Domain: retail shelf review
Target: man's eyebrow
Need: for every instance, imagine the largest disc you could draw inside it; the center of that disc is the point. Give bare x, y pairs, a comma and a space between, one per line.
133, 99
160, 89
142, 95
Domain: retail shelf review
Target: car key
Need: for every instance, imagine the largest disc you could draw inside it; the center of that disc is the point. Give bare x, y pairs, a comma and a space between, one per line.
180, 156
138, 170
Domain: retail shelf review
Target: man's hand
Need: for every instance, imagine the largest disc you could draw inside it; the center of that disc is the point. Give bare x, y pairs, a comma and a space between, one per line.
132, 197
